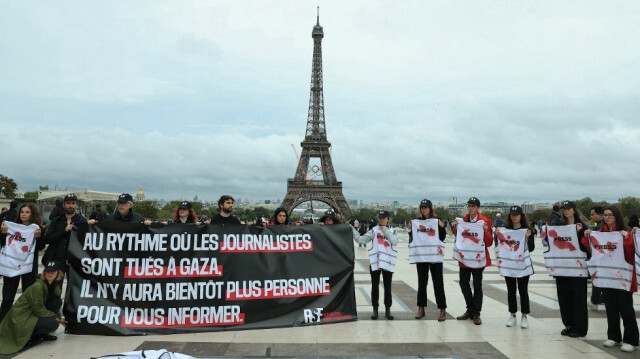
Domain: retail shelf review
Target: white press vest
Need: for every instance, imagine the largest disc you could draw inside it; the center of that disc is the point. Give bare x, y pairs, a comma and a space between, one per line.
469, 247
17, 256
426, 246
607, 266
564, 257
512, 253
382, 255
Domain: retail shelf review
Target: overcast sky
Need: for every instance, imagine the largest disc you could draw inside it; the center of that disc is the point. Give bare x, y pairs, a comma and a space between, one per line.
503, 100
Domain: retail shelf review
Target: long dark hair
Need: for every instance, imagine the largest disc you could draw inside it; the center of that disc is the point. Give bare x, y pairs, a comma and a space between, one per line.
35, 215
278, 211
620, 226
430, 206
523, 221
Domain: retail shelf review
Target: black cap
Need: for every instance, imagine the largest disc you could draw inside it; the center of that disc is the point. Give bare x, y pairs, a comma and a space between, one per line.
515, 210
383, 214
124, 198
70, 197
568, 204
52, 266
474, 200
185, 205
426, 203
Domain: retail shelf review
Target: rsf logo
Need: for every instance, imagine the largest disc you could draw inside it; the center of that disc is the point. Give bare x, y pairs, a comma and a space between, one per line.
313, 315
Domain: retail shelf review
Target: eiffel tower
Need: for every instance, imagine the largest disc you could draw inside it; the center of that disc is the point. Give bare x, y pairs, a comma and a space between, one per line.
307, 184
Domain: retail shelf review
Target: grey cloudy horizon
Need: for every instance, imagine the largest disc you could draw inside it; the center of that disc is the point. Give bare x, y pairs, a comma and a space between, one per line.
502, 100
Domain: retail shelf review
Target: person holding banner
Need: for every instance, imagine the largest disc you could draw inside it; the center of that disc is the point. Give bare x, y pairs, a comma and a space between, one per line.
612, 268
124, 212
514, 262
565, 259
382, 259
184, 213
36, 313
426, 250
473, 238
280, 217
59, 232
21, 241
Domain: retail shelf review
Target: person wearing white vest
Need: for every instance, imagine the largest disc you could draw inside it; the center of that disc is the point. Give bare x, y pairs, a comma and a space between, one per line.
426, 250
473, 300
612, 268
28, 220
515, 243
571, 283
382, 259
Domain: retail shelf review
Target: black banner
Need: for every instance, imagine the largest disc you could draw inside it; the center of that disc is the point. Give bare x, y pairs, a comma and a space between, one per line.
131, 279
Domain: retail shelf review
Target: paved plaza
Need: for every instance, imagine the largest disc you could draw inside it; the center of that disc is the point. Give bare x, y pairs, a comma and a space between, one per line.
402, 337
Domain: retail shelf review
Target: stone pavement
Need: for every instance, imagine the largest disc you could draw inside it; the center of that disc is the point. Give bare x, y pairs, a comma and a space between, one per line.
402, 337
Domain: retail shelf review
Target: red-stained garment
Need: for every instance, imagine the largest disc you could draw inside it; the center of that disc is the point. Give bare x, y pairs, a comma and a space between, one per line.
629, 252
488, 237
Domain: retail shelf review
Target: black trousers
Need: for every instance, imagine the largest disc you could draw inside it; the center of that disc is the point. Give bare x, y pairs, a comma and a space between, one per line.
375, 287
438, 284
522, 285
472, 299
48, 325
10, 288
596, 295
620, 304
572, 298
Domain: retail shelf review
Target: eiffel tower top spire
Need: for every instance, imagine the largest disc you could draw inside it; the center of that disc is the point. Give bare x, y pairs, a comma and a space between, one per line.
315, 120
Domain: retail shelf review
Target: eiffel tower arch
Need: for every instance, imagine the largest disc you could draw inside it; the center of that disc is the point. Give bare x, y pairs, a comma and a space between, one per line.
313, 182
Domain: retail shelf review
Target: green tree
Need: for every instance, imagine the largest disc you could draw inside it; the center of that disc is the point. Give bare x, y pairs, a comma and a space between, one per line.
443, 213
31, 195
44, 188
7, 186
629, 206
147, 209
401, 216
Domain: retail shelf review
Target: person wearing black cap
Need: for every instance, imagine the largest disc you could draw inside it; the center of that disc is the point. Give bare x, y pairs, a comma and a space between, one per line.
514, 262
426, 250
382, 259
59, 232
185, 213
97, 213
473, 299
329, 218
36, 313
570, 275
124, 212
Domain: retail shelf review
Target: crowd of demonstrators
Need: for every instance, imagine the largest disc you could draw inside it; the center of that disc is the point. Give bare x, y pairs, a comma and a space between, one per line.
474, 266
28, 220
612, 266
514, 262
382, 260
36, 313
426, 250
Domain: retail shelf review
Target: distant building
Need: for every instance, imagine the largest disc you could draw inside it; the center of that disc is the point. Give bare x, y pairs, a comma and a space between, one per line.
140, 195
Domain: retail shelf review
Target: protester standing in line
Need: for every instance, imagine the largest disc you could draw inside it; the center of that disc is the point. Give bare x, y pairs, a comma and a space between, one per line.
36, 313
97, 214
473, 299
382, 259
27, 215
612, 266
280, 217
570, 272
596, 221
184, 213
225, 204
514, 264
427, 252
59, 232
124, 212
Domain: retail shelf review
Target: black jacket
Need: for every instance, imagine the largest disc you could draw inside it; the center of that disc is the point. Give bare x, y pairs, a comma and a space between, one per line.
58, 239
131, 217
